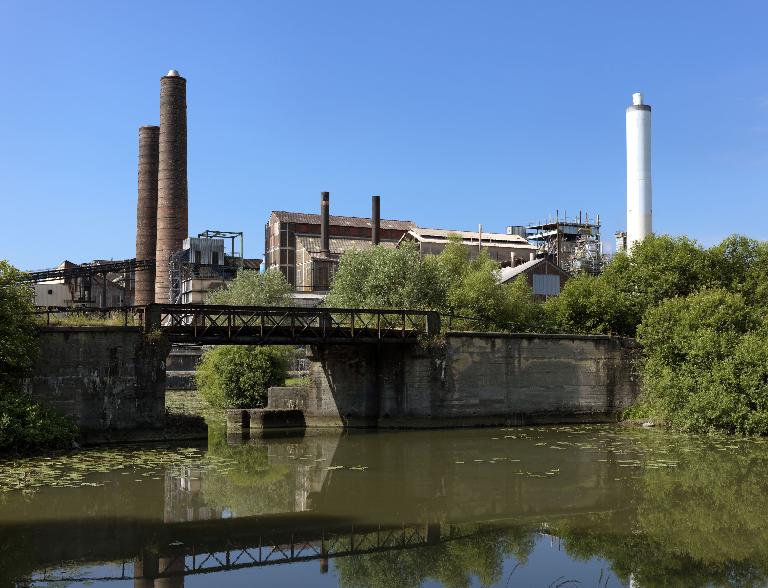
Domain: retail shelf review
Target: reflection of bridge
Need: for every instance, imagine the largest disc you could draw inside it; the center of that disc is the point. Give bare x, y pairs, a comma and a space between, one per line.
251, 325
169, 528
250, 543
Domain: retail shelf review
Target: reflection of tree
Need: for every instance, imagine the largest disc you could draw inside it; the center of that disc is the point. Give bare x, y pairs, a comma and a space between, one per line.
700, 523
252, 485
452, 563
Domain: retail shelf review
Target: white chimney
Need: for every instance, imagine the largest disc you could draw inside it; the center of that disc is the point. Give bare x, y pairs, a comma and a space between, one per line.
639, 186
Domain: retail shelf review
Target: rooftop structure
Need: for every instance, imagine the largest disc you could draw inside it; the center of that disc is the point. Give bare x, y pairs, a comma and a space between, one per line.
572, 244
505, 248
293, 239
543, 276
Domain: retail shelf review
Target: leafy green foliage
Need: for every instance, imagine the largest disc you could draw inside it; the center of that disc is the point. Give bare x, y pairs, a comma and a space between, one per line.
233, 376
238, 376
252, 288
705, 364
450, 283
382, 277
24, 424
18, 339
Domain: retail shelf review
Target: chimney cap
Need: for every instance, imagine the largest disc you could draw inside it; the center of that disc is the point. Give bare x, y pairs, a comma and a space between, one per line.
172, 73
637, 98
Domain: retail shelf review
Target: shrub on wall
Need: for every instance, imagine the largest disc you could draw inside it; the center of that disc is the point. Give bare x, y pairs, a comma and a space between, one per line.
238, 376
24, 424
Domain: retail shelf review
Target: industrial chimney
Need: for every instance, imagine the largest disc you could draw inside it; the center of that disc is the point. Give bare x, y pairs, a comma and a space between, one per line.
375, 219
172, 208
325, 221
639, 188
146, 213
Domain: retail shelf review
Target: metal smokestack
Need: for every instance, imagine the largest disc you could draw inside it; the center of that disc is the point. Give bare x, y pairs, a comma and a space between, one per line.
639, 187
172, 207
375, 219
325, 221
146, 212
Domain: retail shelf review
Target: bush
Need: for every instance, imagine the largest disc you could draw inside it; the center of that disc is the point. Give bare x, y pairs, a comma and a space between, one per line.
24, 424
238, 376
251, 288
705, 364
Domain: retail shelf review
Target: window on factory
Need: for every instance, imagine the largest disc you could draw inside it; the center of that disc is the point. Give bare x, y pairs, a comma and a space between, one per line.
215, 258
50, 292
546, 285
198, 256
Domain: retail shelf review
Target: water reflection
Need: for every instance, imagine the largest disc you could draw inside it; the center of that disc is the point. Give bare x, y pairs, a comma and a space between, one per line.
523, 506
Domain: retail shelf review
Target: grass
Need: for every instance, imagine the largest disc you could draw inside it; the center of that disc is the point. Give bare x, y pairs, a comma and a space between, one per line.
116, 319
192, 403
297, 382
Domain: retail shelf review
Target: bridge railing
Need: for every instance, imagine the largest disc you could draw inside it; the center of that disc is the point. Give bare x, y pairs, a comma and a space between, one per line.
250, 324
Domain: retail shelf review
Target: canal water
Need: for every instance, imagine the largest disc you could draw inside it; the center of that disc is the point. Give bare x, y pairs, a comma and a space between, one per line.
532, 506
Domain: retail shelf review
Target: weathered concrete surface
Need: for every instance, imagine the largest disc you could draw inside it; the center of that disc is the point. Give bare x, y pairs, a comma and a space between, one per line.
107, 379
476, 379
180, 367
239, 419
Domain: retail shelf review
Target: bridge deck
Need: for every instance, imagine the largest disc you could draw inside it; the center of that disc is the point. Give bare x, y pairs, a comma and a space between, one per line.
252, 325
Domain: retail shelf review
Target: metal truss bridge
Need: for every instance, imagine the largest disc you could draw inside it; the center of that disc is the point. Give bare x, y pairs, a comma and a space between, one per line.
182, 558
257, 325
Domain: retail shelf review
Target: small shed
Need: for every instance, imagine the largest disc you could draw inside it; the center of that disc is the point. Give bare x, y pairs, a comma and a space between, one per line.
544, 277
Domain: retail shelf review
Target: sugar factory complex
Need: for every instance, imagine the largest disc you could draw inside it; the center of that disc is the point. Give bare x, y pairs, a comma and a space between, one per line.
172, 266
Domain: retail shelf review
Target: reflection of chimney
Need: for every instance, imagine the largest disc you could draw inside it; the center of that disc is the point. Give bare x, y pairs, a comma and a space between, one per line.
325, 245
146, 213
171, 179
532, 256
375, 219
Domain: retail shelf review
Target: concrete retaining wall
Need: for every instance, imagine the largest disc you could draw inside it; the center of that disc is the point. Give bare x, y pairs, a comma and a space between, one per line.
476, 379
106, 378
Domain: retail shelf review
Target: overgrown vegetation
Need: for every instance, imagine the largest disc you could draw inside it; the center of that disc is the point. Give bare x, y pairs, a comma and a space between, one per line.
700, 314
251, 288
235, 376
24, 424
450, 283
238, 376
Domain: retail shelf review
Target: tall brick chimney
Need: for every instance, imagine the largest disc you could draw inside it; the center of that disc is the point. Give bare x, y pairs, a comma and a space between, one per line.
172, 206
146, 212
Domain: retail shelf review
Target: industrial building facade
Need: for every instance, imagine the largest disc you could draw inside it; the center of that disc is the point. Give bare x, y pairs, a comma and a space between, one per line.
292, 244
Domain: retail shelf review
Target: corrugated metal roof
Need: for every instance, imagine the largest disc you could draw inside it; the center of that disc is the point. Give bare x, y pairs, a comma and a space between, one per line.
338, 245
506, 274
491, 239
343, 221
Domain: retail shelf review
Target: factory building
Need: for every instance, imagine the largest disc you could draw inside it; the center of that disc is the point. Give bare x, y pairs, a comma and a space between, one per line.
294, 242
572, 244
86, 289
544, 277
506, 249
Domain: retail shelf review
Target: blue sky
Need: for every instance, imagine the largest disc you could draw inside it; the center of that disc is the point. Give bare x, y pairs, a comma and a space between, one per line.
457, 113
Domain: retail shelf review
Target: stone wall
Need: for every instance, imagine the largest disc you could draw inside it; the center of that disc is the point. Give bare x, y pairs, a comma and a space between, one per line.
106, 378
475, 379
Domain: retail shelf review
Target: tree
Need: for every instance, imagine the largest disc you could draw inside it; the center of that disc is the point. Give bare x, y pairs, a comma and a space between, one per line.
705, 364
239, 376
24, 424
252, 288
382, 277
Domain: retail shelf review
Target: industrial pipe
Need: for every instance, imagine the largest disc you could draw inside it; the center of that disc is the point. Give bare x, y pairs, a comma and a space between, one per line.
375, 219
325, 245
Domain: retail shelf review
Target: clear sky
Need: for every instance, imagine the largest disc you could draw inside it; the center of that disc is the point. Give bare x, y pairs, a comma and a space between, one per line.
457, 113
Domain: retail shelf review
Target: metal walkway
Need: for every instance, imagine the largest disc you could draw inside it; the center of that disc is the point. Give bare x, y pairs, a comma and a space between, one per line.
253, 325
